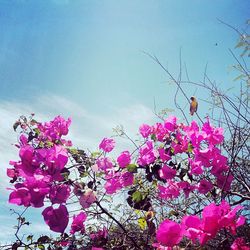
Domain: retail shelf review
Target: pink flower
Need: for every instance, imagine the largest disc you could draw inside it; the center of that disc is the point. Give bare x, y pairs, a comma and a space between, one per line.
196, 167
239, 244
20, 196
77, 224
97, 248
107, 145
213, 135
55, 129
11, 172
169, 233
87, 198
56, 218
186, 187
127, 179
205, 186
124, 159
170, 191
59, 193
104, 164
163, 155
170, 123
193, 133
181, 145
146, 154
38, 190
145, 130
113, 183
103, 233
224, 181
160, 131
192, 227
167, 173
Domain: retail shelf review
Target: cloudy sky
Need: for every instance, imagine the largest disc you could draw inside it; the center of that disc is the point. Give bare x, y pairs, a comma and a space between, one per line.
85, 60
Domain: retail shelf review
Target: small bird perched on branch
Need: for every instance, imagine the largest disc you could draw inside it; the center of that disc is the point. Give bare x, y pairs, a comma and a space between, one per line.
193, 105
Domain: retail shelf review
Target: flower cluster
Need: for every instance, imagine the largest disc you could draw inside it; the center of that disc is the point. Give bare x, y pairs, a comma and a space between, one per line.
174, 161
165, 141
38, 173
214, 218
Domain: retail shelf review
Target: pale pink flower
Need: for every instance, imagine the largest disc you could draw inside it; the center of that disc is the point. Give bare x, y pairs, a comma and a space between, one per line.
87, 198
107, 145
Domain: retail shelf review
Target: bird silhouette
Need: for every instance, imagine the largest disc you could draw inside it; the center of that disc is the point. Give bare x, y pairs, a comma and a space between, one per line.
193, 105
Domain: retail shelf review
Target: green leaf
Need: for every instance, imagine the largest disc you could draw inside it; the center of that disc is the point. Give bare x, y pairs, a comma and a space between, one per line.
73, 150
190, 148
40, 246
132, 168
29, 237
142, 223
37, 131
95, 154
137, 196
153, 137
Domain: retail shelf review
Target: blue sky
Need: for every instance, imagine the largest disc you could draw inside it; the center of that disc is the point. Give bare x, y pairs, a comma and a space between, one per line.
84, 59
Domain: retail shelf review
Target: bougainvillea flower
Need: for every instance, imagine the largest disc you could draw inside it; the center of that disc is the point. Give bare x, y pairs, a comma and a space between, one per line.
169, 233
196, 167
186, 187
104, 164
38, 190
145, 130
113, 183
163, 155
124, 159
170, 123
224, 181
169, 191
213, 135
239, 244
20, 196
55, 129
78, 223
56, 218
180, 146
146, 154
160, 132
103, 233
59, 193
167, 173
205, 186
192, 227
126, 179
87, 198
107, 145
12, 173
